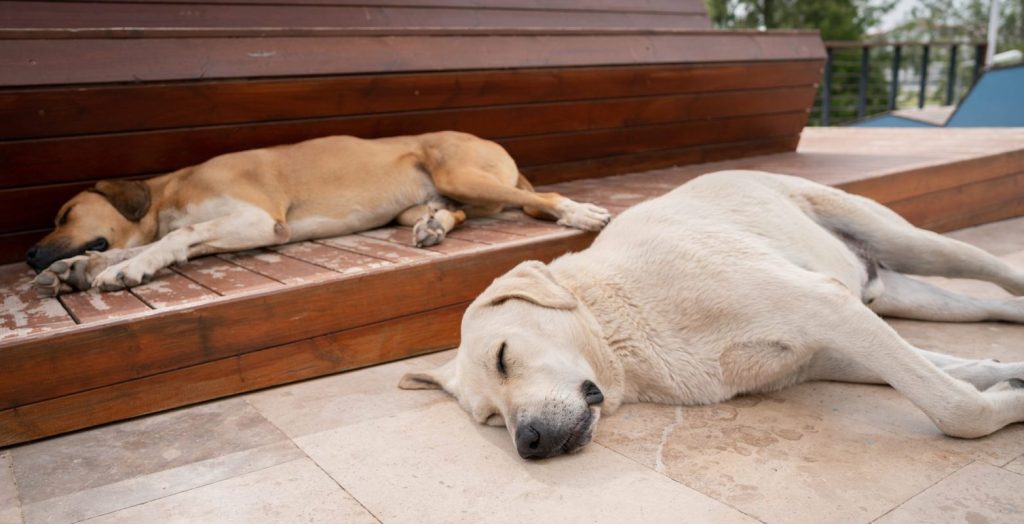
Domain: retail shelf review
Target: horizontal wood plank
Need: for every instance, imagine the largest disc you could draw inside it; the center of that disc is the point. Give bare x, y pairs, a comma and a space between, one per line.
95, 306
14, 245
601, 166
169, 289
224, 277
27, 113
22, 311
104, 15
53, 161
280, 267
965, 205
73, 61
661, 6
322, 355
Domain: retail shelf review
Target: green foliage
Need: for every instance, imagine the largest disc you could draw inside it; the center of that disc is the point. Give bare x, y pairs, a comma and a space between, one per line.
836, 19
962, 20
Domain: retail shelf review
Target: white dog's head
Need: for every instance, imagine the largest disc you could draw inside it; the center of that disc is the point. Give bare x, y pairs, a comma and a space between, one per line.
531, 359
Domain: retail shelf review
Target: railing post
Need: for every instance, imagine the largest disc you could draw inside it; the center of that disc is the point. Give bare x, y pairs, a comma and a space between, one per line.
979, 61
862, 82
826, 88
924, 76
951, 75
894, 87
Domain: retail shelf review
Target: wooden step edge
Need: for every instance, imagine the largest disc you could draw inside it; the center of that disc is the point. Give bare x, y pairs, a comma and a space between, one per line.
938, 176
68, 362
307, 32
384, 341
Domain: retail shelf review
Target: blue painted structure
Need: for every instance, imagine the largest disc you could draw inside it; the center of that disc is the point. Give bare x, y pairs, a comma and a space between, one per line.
995, 100
890, 120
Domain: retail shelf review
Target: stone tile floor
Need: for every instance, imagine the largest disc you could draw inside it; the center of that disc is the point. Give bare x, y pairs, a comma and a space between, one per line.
354, 448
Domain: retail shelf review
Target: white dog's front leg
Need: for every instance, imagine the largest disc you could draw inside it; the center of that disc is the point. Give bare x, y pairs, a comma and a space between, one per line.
246, 230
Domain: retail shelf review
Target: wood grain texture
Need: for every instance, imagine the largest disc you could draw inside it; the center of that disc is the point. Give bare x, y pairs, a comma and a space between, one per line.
207, 344
65, 160
659, 6
103, 15
160, 342
967, 205
23, 312
56, 111
72, 61
92, 306
380, 342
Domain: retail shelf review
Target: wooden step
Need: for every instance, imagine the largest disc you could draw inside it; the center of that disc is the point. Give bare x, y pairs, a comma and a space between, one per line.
237, 322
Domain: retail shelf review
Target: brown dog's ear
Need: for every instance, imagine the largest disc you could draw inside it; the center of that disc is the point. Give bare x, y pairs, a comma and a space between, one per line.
531, 281
130, 197
442, 377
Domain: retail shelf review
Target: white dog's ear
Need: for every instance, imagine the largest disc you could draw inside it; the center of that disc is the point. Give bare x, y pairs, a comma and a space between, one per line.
531, 281
442, 377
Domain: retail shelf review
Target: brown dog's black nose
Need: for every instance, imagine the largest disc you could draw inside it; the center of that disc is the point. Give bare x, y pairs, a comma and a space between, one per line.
591, 393
33, 259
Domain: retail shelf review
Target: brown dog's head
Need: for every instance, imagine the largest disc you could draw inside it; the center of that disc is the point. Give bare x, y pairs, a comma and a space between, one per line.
106, 216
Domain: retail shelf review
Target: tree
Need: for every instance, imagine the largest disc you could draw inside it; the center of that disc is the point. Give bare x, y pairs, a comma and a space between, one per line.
963, 20
835, 19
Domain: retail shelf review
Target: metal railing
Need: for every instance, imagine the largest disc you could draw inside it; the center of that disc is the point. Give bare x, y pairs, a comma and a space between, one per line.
865, 78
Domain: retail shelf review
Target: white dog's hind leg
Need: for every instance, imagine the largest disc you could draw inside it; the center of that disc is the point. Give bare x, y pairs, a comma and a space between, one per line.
832, 365
906, 297
903, 248
854, 333
244, 230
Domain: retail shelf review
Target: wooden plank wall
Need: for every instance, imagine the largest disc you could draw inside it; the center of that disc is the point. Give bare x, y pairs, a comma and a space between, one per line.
130, 88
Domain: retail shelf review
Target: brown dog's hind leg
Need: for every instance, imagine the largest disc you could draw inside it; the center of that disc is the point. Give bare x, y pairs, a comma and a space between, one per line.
478, 188
431, 221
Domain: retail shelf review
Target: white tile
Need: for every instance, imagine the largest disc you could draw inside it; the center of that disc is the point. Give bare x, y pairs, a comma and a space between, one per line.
436, 465
978, 493
88, 473
296, 491
346, 398
10, 505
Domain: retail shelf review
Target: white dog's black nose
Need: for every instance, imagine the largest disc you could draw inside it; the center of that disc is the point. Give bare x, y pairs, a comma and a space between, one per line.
529, 443
592, 393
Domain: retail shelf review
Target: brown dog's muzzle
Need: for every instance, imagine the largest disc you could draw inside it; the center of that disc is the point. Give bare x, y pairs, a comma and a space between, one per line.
41, 255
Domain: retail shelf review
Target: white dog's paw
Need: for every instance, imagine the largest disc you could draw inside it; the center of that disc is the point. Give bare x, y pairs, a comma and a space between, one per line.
130, 273
427, 232
69, 275
583, 216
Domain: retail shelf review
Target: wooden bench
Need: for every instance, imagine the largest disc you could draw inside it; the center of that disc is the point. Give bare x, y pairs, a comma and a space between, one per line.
573, 89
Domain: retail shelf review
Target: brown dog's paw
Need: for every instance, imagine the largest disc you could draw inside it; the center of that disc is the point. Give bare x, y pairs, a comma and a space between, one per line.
64, 276
428, 232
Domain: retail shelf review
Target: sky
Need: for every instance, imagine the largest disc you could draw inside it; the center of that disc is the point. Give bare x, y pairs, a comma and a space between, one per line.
894, 17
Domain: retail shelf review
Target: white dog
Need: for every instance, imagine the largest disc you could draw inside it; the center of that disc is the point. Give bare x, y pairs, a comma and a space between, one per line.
737, 282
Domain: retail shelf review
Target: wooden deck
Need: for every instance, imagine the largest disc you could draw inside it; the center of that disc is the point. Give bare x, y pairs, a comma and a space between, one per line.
231, 323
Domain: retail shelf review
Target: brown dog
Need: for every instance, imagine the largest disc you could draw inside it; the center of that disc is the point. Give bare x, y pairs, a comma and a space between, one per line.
120, 233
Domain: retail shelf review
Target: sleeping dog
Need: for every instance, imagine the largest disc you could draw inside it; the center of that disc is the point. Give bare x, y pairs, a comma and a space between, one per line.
736, 282
119, 233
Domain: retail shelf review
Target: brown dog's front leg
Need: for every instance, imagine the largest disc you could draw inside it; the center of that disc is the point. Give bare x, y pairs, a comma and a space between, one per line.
77, 273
